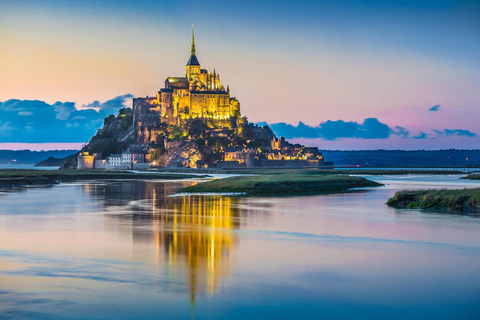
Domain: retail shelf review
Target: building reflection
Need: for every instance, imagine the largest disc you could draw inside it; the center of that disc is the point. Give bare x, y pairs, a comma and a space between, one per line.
198, 238
192, 235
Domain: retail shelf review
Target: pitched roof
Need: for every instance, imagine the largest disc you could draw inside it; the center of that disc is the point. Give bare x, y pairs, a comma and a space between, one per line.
193, 61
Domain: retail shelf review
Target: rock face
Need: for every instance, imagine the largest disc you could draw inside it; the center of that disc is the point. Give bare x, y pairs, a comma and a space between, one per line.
115, 136
185, 154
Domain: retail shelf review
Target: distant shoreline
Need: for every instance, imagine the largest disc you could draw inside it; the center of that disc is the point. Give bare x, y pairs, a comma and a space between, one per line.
10, 179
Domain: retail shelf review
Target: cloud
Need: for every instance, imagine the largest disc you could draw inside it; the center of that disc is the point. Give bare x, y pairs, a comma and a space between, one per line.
112, 104
35, 121
371, 128
435, 108
401, 131
445, 133
64, 110
422, 135
455, 132
6, 129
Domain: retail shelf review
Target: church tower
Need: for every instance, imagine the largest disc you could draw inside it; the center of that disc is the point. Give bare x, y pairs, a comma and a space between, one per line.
193, 66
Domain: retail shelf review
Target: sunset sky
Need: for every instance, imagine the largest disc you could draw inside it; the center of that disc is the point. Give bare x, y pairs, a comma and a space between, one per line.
357, 74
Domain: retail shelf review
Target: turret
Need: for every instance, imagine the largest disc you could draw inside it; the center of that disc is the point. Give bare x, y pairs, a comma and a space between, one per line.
193, 66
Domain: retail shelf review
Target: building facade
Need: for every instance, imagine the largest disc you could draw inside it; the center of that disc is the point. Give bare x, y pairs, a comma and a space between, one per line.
198, 94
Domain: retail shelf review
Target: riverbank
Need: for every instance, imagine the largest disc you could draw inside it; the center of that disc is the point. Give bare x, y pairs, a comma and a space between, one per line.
24, 177
450, 201
282, 184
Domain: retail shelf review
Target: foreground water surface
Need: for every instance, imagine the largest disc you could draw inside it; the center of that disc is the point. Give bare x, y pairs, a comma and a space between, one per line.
126, 250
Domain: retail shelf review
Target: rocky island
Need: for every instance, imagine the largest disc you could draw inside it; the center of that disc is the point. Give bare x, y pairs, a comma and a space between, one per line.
195, 122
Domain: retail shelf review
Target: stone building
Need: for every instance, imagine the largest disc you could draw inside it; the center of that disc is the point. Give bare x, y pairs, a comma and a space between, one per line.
134, 157
239, 154
198, 94
86, 160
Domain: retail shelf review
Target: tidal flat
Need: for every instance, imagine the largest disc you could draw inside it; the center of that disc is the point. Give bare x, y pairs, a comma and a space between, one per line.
282, 184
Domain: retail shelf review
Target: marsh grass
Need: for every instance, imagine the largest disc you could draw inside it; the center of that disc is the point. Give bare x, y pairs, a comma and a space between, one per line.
460, 200
284, 184
473, 176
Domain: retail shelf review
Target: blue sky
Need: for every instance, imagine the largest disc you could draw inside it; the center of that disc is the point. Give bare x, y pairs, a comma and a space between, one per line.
287, 62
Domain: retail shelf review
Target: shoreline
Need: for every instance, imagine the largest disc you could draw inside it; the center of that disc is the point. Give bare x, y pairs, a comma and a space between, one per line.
18, 178
472, 176
266, 171
452, 201
281, 185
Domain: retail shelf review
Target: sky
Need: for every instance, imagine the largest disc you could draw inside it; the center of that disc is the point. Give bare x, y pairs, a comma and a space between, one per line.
334, 74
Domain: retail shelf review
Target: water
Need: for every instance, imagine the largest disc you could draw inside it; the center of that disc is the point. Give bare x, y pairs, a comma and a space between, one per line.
125, 250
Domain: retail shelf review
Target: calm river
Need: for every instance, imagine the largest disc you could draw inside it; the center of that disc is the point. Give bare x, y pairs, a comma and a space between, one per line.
126, 250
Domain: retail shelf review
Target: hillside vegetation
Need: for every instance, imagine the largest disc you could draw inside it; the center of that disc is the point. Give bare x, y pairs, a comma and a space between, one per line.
115, 136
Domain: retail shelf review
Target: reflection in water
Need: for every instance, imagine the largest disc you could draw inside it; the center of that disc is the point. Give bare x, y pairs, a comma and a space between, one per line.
194, 233
197, 234
126, 250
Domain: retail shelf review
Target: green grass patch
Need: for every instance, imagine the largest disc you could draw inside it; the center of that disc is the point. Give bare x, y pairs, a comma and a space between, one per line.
454, 201
282, 184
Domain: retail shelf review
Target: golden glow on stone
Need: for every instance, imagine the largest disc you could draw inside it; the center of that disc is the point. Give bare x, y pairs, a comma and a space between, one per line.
200, 94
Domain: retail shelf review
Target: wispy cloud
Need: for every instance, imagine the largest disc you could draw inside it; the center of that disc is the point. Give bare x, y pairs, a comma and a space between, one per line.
455, 132
422, 135
370, 128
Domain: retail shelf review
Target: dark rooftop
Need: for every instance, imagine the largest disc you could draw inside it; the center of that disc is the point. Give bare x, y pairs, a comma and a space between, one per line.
193, 61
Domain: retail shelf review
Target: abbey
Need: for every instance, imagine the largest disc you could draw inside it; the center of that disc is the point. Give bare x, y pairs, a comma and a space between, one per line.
199, 94
192, 121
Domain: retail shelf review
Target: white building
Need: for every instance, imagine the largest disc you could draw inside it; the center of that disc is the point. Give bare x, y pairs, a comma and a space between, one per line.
127, 159
114, 161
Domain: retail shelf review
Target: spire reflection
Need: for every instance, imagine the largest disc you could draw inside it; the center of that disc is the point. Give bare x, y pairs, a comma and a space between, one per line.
198, 236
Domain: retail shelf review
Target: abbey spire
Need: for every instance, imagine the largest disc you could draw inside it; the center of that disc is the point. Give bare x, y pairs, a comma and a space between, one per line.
192, 51
193, 61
